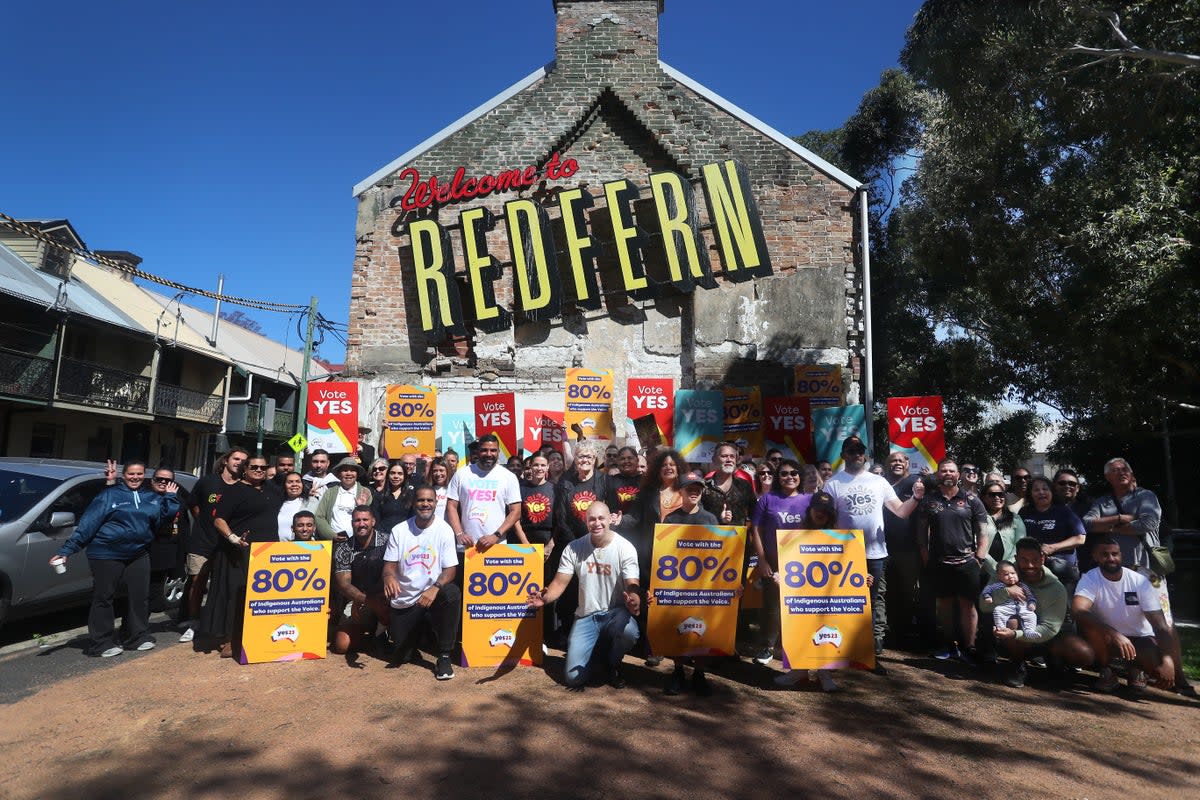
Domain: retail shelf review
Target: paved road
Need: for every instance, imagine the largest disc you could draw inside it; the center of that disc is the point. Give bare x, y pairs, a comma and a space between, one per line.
41, 651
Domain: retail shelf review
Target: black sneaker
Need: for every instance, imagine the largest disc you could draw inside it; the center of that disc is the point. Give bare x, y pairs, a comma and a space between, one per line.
444, 670
1016, 674
616, 680
700, 684
675, 682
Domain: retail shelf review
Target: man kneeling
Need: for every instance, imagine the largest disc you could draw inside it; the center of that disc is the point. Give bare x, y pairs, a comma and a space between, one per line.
605, 627
418, 579
1119, 612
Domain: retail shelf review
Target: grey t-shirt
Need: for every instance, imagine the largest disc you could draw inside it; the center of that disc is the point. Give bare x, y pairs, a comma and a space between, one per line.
602, 572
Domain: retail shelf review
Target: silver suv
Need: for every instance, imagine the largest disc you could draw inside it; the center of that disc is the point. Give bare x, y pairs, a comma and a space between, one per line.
40, 502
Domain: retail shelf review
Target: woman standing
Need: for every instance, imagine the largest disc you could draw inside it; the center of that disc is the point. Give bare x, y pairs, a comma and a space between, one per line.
764, 479
660, 494
810, 480
557, 466
294, 501
245, 514
624, 486
439, 479
377, 477
394, 504
784, 508
1003, 527
117, 530
1058, 528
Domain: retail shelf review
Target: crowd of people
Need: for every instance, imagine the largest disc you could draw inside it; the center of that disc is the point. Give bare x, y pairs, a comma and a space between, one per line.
1063, 582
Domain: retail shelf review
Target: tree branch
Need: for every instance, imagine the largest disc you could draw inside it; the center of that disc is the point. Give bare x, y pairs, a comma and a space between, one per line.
1127, 47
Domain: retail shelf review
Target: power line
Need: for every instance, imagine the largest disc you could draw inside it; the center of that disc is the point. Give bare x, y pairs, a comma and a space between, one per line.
87, 255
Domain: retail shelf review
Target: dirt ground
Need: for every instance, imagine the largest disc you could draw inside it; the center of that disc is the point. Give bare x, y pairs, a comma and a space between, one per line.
180, 724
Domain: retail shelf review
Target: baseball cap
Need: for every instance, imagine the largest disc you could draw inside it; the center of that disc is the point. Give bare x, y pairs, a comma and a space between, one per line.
853, 443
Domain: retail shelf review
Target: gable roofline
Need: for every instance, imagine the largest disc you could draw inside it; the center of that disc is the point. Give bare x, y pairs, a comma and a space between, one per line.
452, 128
762, 127
720, 102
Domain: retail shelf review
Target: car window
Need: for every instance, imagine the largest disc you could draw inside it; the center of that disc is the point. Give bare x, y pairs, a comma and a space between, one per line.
20, 492
78, 497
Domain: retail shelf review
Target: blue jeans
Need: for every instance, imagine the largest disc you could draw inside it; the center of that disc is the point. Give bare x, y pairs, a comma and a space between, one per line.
605, 636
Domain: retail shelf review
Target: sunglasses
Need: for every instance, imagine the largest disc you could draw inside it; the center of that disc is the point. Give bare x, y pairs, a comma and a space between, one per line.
993, 494
257, 467
157, 479
970, 469
379, 469
789, 474
1066, 483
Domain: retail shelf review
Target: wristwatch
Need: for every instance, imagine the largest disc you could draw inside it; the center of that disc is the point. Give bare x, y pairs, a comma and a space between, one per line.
438, 584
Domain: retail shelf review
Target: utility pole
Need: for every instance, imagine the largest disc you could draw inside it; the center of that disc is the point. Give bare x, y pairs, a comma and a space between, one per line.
302, 407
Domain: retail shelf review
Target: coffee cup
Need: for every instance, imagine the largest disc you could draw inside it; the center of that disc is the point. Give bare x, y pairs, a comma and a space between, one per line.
60, 565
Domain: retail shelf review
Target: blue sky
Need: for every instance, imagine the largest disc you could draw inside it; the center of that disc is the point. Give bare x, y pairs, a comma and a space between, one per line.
226, 136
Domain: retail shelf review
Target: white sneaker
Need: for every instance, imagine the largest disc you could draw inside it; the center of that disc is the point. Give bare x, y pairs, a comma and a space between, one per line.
790, 678
825, 678
146, 645
187, 635
112, 651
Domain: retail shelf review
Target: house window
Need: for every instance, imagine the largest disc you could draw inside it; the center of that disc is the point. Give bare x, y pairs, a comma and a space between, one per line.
46, 440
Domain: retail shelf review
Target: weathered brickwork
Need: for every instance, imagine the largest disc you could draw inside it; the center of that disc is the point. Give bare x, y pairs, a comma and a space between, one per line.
607, 103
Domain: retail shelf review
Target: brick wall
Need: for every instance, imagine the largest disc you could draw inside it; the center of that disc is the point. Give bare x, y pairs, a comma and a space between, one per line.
607, 104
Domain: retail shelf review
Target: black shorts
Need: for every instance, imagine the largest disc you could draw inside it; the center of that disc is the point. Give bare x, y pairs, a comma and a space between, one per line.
955, 580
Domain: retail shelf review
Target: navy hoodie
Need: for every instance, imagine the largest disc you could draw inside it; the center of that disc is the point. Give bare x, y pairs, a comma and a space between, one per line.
120, 523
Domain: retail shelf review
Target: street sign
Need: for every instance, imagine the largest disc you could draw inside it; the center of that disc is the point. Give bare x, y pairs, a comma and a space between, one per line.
298, 442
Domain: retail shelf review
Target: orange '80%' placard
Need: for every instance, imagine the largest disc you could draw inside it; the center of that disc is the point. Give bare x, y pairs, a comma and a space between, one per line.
498, 627
825, 605
695, 584
287, 601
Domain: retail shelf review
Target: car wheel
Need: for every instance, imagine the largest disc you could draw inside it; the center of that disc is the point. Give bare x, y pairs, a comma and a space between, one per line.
166, 591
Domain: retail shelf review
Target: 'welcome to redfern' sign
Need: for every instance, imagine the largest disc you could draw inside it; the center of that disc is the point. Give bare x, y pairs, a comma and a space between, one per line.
540, 273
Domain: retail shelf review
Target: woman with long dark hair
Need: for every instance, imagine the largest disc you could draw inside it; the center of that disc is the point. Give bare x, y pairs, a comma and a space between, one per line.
1058, 528
661, 493
394, 505
1003, 528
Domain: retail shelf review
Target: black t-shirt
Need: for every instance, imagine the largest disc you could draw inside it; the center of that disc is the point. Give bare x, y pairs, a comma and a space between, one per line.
574, 498
365, 564
1052, 526
952, 524
697, 517
898, 532
537, 512
207, 492
246, 509
623, 491
391, 511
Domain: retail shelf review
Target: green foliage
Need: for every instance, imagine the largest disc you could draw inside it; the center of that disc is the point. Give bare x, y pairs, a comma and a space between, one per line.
1043, 249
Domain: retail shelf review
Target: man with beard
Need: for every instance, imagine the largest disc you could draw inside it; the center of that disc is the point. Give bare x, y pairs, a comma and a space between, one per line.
861, 498
726, 491
1056, 637
418, 578
949, 532
202, 538
1119, 612
358, 579
483, 502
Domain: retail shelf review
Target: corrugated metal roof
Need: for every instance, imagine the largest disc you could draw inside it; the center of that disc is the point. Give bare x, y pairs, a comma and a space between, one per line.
20, 279
252, 351
152, 311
